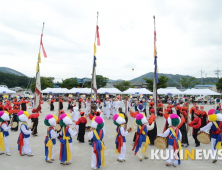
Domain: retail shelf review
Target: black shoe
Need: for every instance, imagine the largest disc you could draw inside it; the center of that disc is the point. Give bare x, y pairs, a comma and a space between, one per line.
90, 143
197, 145
182, 145
187, 145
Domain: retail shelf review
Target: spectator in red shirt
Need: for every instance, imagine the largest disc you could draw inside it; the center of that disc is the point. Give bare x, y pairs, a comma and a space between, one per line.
82, 121
196, 123
35, 120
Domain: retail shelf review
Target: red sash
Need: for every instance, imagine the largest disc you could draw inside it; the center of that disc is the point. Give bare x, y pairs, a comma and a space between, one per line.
137, 138
120, 141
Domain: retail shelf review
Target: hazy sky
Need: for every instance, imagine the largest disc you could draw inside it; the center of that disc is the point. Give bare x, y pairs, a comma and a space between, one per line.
189, 36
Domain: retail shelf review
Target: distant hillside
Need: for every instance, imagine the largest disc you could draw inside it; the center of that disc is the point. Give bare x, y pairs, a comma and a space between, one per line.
11, 71
174, 80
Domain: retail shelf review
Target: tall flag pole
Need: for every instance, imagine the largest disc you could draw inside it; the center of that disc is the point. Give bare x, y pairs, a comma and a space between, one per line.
93, 83
38, 94
155, 70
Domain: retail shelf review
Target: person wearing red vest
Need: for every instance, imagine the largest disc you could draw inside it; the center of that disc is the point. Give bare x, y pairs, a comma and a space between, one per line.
215, 127
152, 121
183, 129
174, 139
82, 121
4, 128
203, 115
35, 120
195, 124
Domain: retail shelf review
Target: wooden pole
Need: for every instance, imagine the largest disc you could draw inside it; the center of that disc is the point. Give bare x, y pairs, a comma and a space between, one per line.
93, 70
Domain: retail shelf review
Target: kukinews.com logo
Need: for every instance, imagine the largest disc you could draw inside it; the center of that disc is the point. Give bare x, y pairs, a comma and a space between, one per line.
185, 154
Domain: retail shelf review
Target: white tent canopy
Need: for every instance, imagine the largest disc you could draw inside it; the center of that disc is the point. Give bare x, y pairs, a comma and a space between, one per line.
109, 91
6, 91
166, 91
204, 92
137, 91
55, 90
80, 90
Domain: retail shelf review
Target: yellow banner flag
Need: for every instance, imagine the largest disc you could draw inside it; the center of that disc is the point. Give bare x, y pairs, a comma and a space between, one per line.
37, 67
94, 49
39, 58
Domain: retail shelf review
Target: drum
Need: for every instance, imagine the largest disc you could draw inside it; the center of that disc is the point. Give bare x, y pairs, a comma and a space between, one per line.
48, 102
29, 103
203, 137
58, 127
14, 124
161, 143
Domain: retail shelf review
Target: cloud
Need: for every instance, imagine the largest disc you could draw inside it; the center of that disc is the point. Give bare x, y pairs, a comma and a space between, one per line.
188, 37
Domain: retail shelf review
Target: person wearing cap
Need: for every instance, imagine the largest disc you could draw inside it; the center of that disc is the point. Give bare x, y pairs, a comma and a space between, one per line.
166, 115
88, 106
52, 104
50, 139
152, 133
23, 139
174, 139
195, 124
4, 128
60, 103
183, 129
97, 134
120, 141
35, 120
82, 121
178, 109
193, 110
215, 128
160, 109
23, 104
203, 116
151, 104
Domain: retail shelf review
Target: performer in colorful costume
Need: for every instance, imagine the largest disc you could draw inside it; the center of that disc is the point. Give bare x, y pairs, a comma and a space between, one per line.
218, 103
175, 137
142, 140
50, 139
66, 140
120, 142
215, 127
4, 128
97, 134
23, 139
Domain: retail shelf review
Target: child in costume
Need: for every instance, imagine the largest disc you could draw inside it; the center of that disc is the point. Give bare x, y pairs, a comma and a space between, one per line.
50, 139
82, 121
120, 142
174, 139
67, 133
23, 139
4, 128
215, 127
97, 134
196, 123
35, 120
142, 140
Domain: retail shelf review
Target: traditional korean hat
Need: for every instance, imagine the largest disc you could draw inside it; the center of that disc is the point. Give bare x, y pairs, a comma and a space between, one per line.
119, 119
50, 120
141, 119
97, 122
65, 119
23, 116
211, 115
4, 116
173, 120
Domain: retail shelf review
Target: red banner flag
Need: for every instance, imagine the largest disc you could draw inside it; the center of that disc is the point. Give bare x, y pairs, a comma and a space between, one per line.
43, 49
97, 34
